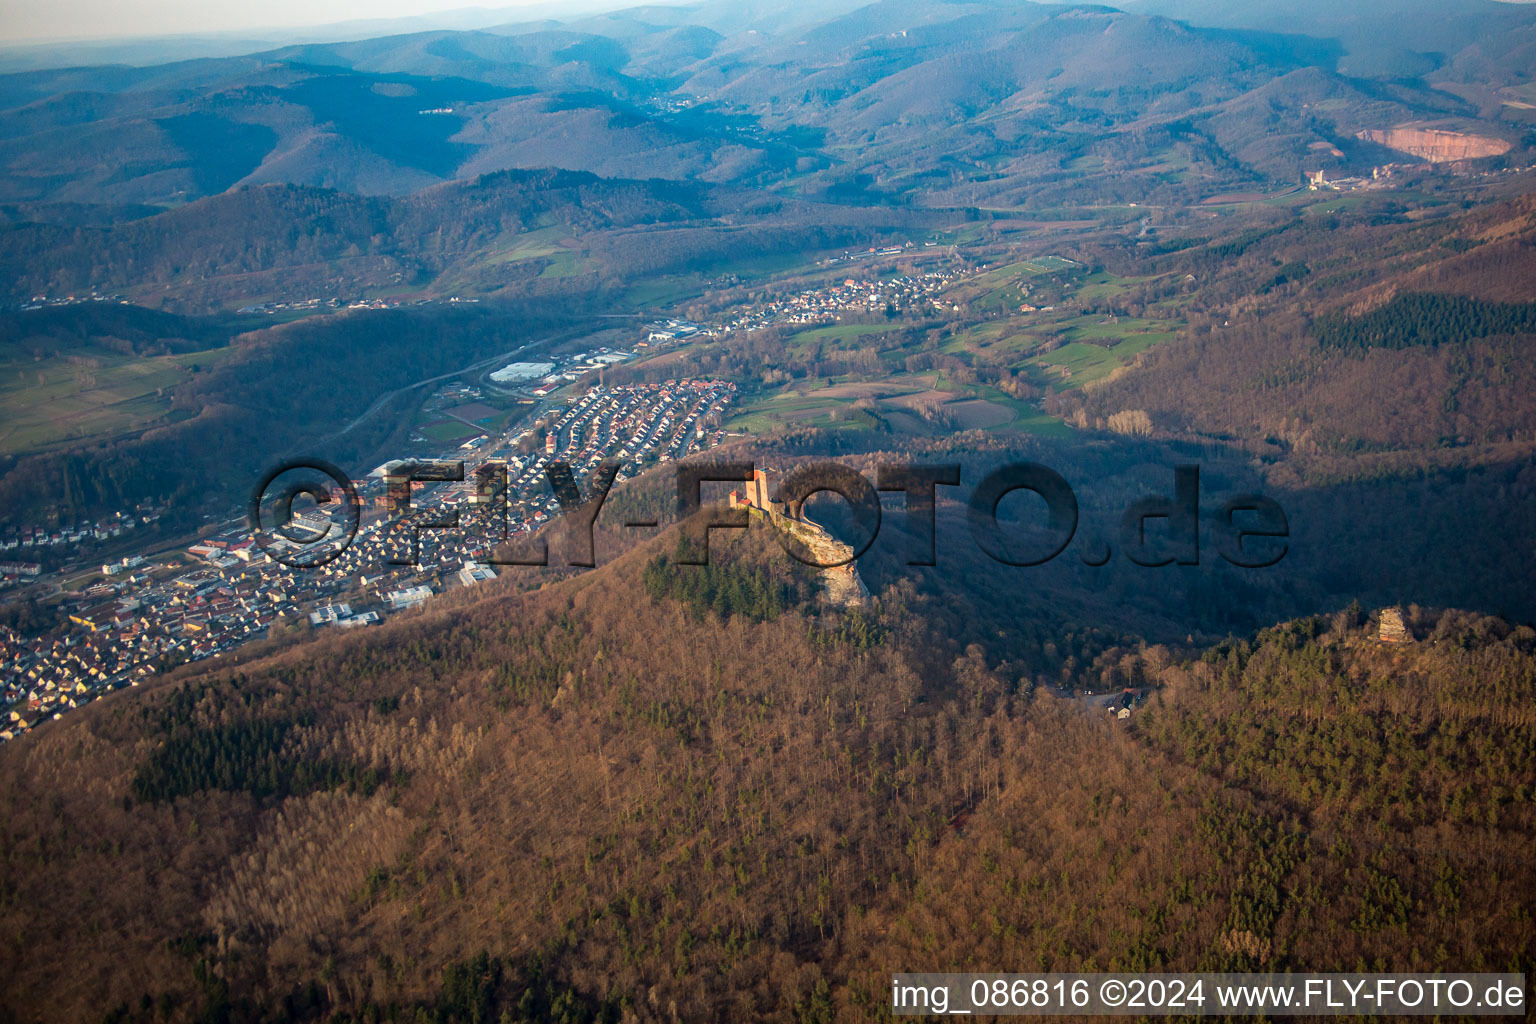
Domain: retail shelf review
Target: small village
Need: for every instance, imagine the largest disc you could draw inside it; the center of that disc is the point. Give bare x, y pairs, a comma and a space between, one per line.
898, 294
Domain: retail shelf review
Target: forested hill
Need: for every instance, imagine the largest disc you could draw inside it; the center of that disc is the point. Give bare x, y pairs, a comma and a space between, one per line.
999, 103
1357, 344
630, 796
301, 241
263, 393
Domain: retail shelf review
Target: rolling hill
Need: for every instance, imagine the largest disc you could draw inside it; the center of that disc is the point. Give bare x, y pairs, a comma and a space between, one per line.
930, 102
1387, 39
593, 803
1356, 345
259, 242
973, 232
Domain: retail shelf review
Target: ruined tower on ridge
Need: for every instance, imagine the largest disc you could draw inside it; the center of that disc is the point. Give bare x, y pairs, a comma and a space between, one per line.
1393, 630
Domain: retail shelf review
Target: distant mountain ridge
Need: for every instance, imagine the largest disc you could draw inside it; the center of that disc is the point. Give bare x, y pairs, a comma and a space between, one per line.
938, 102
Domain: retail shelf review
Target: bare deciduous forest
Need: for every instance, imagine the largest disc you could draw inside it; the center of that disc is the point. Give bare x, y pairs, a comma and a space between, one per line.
1159, 251
605, 800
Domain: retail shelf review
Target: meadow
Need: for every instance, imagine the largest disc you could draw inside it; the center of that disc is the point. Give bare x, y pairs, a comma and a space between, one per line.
96, 394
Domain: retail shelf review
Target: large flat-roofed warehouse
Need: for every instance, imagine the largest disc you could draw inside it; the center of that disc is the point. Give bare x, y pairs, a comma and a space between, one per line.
521, 371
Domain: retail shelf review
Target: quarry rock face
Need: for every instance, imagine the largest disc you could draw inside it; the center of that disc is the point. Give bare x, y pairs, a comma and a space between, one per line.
1435, 145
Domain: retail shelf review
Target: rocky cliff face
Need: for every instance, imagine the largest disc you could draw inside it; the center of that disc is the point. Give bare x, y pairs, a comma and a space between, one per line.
1434, 145
841, 585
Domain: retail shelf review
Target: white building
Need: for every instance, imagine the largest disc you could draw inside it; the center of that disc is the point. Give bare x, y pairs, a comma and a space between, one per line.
329, 614
513, 372
474, 572
409, 597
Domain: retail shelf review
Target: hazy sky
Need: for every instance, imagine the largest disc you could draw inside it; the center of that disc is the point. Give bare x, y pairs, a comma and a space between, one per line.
24, 20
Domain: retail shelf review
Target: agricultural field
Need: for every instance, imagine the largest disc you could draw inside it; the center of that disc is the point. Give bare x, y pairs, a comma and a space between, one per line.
926, 404
840, 334
99, 395
1005, 288
542, 242
1056, 344
663, 290
1079, 363
1089, 347
789, 409
807, 404
564, 263
1103, 286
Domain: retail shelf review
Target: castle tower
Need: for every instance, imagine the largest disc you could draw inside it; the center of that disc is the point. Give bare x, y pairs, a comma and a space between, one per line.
759, 490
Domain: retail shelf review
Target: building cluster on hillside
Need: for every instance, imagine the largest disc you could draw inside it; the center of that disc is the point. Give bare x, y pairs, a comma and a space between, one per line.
48, 678
29, 544
828, 305
294, 306
123, 631
664, 332
146, 615
637, 424
382, 302
859, 255
40, 301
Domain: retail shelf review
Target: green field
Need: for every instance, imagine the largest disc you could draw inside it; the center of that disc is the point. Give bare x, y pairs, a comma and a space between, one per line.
767, 416
674, 289
833, 407
1096, 345
544, 241
52, 403
1008, 336
1003, 289
1095, 349
665, 290
1083, 364
1093, 345
1102, 286
838, 333
447, 431
1028, 418
563, 263
830, 405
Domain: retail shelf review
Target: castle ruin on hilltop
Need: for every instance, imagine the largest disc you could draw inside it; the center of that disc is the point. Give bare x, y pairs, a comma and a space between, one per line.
841, 584
1393, 630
